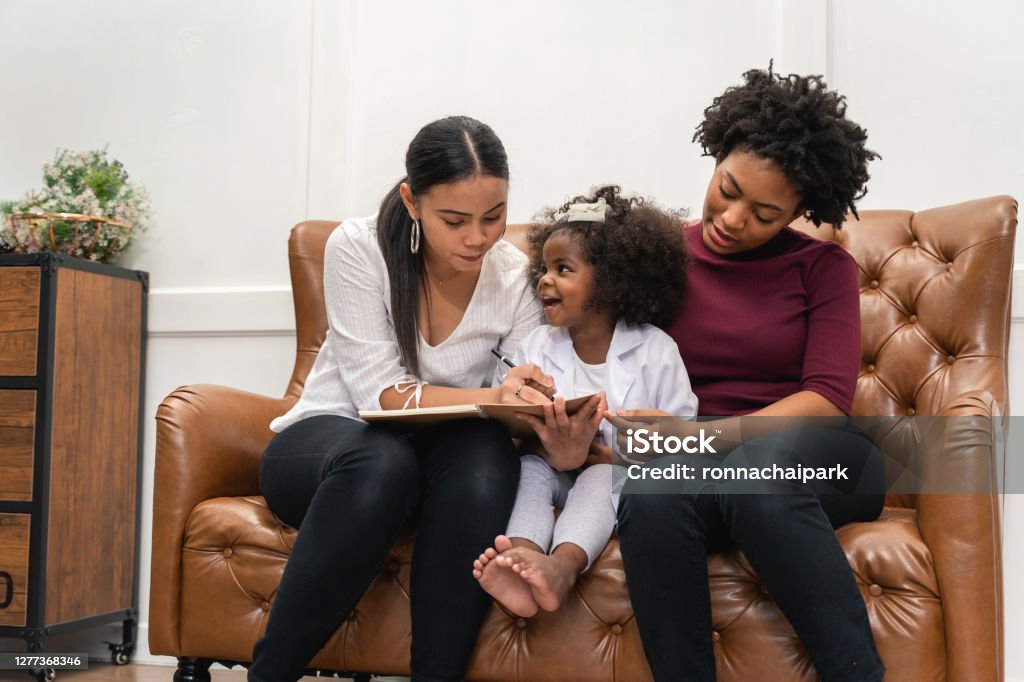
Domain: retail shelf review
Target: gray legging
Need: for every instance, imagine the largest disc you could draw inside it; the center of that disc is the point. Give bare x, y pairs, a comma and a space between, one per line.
588, 513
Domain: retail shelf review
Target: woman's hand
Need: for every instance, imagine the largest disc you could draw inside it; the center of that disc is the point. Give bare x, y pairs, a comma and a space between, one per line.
567, 439
526, 385
653, 421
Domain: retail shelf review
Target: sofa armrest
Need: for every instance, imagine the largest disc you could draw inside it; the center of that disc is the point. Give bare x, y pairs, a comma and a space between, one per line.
962, 531
209, 440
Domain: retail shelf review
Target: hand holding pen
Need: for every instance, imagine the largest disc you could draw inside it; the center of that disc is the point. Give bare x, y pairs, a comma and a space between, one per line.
525, 383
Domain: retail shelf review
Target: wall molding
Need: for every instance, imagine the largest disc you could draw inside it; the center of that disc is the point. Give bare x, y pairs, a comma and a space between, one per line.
803, 37
221, 311
268, 310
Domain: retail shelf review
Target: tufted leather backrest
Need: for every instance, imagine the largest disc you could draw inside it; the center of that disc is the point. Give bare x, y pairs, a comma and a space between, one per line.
935, 302
306, 262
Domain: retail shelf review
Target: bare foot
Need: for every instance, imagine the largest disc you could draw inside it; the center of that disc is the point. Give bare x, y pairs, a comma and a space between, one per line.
502, 582
550, 577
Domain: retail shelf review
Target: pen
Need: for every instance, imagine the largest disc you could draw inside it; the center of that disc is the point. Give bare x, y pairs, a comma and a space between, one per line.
498, 354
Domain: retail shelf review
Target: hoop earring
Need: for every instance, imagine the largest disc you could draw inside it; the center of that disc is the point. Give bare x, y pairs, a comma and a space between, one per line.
414, 237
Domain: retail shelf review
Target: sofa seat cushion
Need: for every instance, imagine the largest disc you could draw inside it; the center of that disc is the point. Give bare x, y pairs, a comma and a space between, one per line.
235, 551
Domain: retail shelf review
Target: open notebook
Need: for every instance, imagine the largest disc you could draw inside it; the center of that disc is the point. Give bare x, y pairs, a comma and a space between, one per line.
506, 414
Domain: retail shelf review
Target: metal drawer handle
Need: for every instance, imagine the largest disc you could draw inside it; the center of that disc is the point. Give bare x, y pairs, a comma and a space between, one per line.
6, 577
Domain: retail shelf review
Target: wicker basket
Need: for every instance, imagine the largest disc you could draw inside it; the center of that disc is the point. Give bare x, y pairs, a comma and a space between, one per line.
74, 234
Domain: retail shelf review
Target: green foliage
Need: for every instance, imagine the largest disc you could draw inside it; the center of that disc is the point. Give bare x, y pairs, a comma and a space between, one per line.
87, 183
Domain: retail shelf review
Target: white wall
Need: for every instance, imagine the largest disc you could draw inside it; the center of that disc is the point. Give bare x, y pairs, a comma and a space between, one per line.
245, 117
939, 88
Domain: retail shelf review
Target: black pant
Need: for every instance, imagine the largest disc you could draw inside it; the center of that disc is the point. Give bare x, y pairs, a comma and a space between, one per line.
785, 529
350, 488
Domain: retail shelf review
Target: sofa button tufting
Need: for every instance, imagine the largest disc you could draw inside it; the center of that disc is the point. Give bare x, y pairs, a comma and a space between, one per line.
913, 319
227, 552
616, 629
393, 567
874, 284
893, 544
914, 244
950, 359
911, 412
520, 623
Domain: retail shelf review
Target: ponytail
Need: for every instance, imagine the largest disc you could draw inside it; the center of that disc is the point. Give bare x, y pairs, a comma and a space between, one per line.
405, 274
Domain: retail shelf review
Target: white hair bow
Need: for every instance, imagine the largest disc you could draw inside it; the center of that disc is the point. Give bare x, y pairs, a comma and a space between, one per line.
586, 213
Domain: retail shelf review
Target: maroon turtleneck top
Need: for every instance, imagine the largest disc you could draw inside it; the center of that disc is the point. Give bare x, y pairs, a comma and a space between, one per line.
766, 323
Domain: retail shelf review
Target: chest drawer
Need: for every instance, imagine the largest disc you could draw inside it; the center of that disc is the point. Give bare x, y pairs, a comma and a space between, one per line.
19, 320
14, 537
17, 435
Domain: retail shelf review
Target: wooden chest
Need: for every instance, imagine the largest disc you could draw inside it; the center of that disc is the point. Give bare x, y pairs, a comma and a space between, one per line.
72, 341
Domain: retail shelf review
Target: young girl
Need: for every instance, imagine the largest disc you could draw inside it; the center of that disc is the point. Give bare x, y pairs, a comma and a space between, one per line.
606, 268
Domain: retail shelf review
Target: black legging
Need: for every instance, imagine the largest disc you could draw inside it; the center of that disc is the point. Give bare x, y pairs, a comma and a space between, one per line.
350, 488
667, 528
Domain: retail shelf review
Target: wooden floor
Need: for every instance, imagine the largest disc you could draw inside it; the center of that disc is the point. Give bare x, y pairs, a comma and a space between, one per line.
101, 672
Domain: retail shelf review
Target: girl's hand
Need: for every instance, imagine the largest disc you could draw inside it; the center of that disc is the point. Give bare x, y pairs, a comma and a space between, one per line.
526, 385
565, 438
600, 454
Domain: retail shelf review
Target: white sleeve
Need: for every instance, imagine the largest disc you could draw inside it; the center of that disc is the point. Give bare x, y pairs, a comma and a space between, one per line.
529, 314
359, 323
673, 393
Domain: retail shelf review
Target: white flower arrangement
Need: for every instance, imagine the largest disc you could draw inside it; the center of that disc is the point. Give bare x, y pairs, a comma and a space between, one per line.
88, 209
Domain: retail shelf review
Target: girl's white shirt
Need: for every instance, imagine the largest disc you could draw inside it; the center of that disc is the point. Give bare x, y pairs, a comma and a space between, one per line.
643, 370
588, 378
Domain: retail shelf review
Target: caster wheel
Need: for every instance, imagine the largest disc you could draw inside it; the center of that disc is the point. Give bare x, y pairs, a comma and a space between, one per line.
120, 654
47, 675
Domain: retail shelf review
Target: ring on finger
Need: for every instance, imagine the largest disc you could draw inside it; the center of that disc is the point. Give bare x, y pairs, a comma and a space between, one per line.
519, 390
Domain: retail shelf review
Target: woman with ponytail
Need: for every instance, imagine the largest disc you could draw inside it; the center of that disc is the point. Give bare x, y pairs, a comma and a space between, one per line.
416, 298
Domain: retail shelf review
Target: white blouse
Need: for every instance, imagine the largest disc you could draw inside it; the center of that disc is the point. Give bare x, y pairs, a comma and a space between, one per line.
360, 356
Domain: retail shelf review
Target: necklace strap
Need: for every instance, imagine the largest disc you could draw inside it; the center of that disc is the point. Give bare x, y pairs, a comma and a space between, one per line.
440, 282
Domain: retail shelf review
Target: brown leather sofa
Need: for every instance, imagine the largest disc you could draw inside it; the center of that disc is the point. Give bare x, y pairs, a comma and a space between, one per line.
935, 293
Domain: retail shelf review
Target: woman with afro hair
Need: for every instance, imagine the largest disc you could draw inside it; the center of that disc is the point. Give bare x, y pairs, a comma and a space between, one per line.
769, 328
